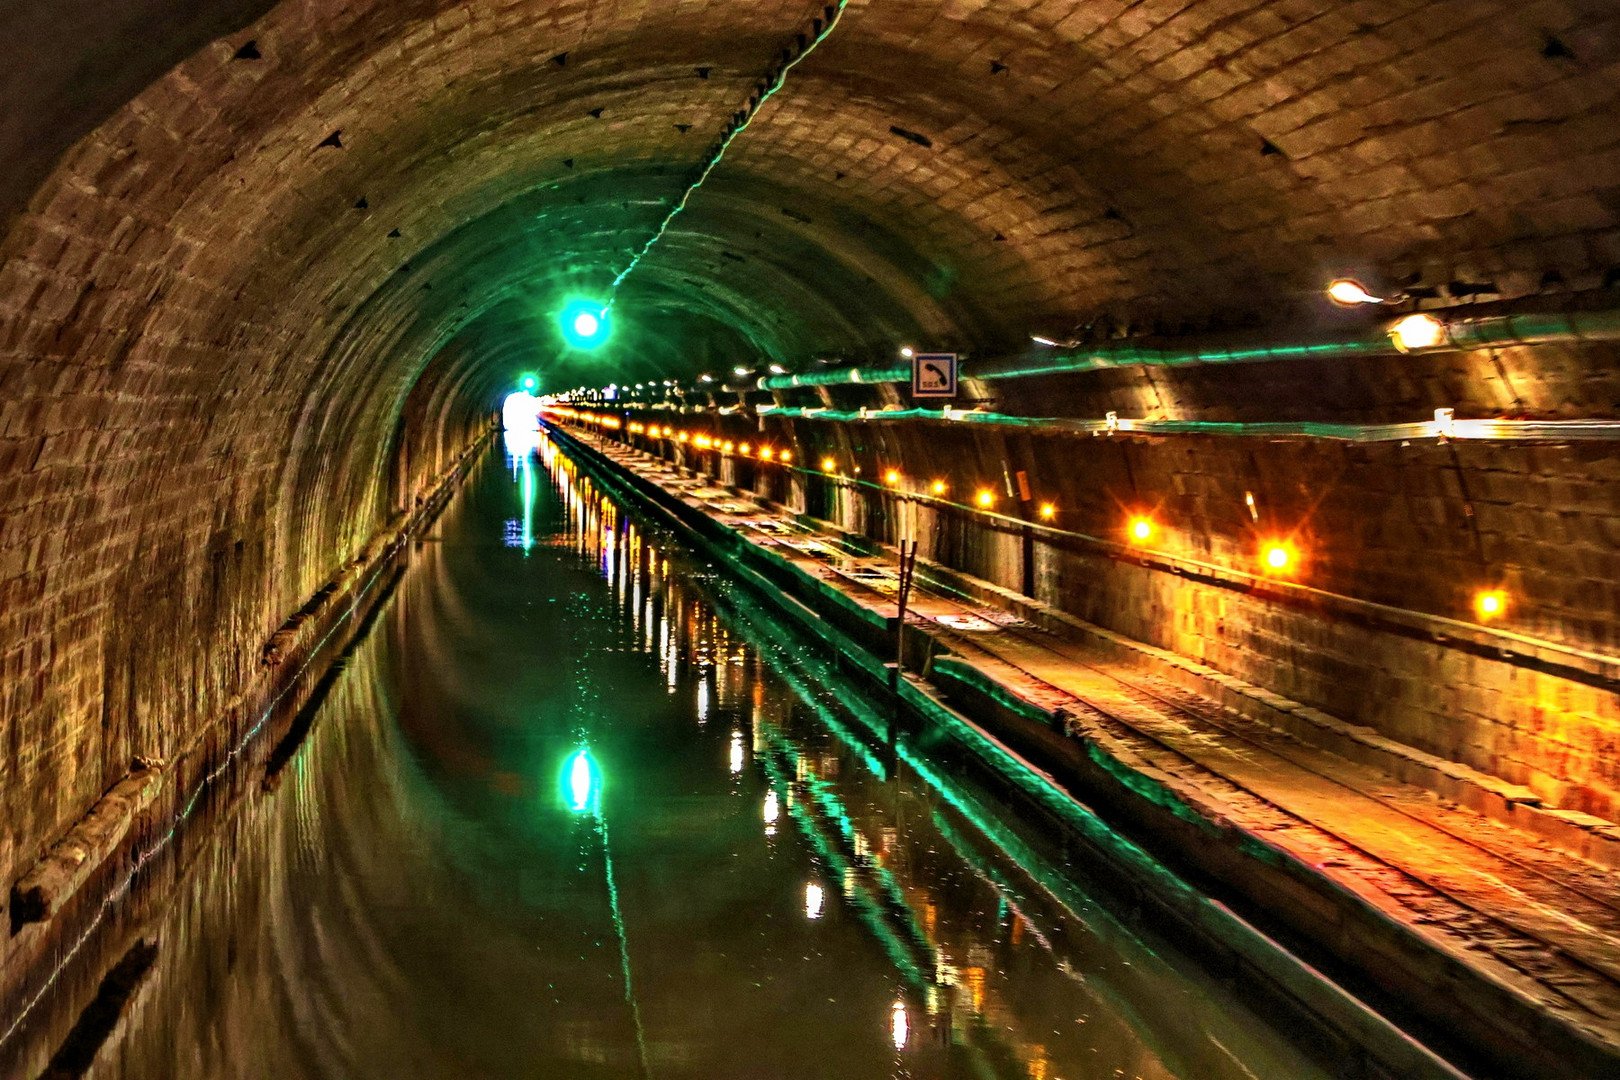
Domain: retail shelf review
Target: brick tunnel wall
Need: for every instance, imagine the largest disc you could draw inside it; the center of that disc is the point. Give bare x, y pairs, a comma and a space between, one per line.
256, 290
1420, 526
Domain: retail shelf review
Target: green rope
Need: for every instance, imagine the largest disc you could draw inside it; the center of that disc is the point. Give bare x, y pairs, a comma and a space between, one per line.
776, 83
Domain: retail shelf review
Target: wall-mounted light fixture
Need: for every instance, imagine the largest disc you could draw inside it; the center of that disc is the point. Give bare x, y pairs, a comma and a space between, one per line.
986, 498
584, 323
1141, 530
1048, 511
1279, 557
907, 351
1489, 603
938, 487
828, 465
1418, 332
1349, 293
892, 477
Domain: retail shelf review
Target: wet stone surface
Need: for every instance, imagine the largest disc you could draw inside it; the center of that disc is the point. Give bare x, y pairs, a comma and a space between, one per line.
575, 808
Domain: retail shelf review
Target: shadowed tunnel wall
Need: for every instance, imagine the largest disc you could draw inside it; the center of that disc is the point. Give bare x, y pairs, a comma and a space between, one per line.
267, 268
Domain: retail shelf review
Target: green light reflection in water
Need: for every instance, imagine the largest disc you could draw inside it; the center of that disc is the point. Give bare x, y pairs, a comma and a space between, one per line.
582, 783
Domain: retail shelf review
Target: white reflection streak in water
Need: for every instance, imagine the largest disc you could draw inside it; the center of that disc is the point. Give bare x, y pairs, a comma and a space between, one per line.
632, 567
665, 661
528, 502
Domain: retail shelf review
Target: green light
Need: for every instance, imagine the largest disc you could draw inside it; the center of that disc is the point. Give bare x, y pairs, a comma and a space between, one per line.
530, 382
582, 783
585, 323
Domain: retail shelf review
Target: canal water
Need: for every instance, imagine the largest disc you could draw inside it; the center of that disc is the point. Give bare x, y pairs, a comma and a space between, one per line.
576, 808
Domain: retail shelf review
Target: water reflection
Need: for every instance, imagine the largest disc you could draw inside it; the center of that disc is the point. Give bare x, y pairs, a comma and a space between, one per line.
577, 809
584, 782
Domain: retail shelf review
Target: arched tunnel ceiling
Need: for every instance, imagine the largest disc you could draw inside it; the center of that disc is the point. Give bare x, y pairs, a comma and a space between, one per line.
963, 173
259, 293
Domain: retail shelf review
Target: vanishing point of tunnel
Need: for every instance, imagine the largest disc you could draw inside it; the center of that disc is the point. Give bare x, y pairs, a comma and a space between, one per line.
709, 539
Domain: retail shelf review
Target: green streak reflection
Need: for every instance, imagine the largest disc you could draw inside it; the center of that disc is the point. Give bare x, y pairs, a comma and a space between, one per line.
624, 944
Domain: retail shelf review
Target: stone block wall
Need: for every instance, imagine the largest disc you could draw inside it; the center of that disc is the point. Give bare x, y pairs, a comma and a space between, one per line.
1421, 526
256, 288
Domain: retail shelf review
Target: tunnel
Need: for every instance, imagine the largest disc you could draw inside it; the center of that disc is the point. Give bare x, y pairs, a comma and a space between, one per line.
1038, 538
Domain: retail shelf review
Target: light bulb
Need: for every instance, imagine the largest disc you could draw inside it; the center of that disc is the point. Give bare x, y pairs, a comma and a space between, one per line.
1490, 603
1418, 332
1278, 557
1349, 293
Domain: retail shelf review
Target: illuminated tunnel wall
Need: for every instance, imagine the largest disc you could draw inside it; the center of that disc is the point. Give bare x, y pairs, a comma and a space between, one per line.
1374, 620
268, 269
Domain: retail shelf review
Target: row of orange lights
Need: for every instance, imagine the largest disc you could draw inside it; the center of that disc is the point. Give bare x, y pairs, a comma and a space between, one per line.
664, 431
984, 498
1278, 557
610, 422
705, 442
1281, 558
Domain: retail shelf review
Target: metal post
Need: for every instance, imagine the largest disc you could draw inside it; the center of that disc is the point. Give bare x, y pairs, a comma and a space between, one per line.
908, 566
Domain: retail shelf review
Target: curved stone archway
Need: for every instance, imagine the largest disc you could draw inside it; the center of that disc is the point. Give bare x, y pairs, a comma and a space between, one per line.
259, 291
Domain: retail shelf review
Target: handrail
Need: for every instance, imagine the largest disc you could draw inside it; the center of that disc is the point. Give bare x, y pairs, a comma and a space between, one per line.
1506, 646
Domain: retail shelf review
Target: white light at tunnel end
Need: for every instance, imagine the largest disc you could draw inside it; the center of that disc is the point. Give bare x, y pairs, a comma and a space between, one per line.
520, 412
